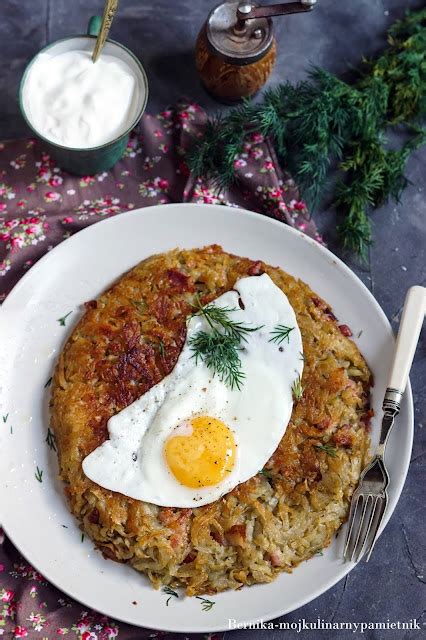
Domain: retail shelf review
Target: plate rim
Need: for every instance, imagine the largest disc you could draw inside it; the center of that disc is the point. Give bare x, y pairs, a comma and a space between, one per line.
92, 229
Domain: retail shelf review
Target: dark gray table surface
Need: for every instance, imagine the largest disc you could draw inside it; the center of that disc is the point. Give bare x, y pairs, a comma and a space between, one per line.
336, 34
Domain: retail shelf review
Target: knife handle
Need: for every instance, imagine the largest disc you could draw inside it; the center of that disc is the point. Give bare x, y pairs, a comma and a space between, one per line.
406, 343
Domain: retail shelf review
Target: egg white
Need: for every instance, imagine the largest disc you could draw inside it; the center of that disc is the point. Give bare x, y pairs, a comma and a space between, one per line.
132, 461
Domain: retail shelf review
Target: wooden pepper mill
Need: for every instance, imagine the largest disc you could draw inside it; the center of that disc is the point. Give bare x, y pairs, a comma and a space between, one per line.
236, 48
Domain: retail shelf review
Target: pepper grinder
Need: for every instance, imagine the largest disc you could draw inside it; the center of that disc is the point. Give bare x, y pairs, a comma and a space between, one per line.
236, 48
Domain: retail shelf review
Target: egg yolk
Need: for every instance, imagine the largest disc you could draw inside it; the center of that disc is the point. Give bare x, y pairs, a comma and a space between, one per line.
201, 452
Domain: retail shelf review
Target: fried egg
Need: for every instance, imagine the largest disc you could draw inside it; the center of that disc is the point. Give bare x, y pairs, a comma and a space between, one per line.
191, 438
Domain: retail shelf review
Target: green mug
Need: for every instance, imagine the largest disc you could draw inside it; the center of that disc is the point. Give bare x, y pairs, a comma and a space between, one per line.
91, 160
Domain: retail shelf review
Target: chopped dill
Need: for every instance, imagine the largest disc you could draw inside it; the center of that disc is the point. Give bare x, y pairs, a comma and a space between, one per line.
327, 448
62, 321
50, 439
169, 591
140, 305
207, 605
39, 475
281, 333
297, 388
161, 349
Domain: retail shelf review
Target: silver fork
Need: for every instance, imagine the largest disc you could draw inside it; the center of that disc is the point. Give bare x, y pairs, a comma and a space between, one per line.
370, 499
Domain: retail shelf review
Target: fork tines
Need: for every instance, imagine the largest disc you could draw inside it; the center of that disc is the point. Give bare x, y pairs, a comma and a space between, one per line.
365, 517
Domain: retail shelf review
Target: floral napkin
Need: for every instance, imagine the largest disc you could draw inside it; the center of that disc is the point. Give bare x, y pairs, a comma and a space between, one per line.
40, 206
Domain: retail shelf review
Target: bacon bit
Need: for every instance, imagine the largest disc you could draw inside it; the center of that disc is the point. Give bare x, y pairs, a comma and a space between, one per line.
345, 331
236, 535
342, 437
330, 314
238, 528
324, 308
218, 537
351, 384
190, 557
324, 424
109, 553
256, 269
168, 515
175, 540
91, 304
178, 522
213, 248
121, 312
94, 516
366, 418
178, 279
319, 303
276, 558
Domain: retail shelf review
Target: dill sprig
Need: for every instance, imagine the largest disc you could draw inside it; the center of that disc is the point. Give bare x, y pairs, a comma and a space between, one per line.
219, 347
206, 605
172, 594
280, 333
50, 439
297, 388
39, 474
327, 448
161, 349
324, 125
62, 321
265, 473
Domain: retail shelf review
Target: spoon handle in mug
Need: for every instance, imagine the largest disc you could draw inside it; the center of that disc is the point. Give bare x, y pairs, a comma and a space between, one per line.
107, 18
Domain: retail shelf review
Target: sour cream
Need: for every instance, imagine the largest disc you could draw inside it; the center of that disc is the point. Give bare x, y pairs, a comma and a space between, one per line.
75, 103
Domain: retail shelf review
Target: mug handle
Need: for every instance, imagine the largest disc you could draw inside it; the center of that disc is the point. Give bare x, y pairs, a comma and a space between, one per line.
94, 26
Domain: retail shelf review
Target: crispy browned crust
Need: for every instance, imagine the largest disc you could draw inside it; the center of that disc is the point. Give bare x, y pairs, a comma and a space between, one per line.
266, 525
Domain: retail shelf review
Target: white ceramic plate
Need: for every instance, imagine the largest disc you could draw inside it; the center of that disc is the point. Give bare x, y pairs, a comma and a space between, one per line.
79, 269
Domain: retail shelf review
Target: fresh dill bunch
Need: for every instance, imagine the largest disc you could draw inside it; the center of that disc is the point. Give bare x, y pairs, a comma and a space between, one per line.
220, 353
220, 316
219, 347
324, 125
